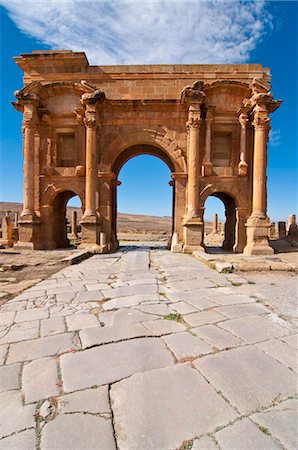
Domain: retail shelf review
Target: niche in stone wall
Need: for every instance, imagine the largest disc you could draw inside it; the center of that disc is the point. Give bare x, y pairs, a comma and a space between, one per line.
221, 149
66, 151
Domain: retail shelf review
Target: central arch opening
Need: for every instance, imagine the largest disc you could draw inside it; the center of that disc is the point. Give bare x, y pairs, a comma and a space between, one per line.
144, 199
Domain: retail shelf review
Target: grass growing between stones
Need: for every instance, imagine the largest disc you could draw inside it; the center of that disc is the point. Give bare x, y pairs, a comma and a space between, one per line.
176, 317
264, 430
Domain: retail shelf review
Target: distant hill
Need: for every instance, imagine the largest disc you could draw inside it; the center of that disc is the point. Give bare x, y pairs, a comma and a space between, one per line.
127, 223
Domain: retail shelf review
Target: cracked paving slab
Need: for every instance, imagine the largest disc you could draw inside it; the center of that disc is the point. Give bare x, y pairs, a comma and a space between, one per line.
147, 349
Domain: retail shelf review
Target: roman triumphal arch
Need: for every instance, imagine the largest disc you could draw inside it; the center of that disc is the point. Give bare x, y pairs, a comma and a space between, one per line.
81, 123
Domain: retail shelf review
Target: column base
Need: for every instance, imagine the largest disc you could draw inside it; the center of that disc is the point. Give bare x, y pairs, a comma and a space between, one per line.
90, 230
29, 233
193, 233
6, 242
94, 248
257, 231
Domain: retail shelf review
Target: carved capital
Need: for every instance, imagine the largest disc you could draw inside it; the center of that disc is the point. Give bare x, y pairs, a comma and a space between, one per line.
243, 119
193, 93
261, 122
90, 122
92, 98
80, 114
193, 122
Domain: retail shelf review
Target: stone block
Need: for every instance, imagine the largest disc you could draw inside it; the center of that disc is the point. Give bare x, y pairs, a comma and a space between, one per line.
79, 321
281, 422
45, 346
163, 326
216, 337
9, 377
264, 378
280, 351
112, 362
224, 267
94, 401
12, 407
40, 379
78, 431
185, 345
24, 440
54, 325
32, 314
107, 335
254, 329
176, 401
203, 318
245, 435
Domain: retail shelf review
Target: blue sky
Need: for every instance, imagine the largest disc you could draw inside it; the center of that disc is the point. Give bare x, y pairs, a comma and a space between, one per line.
118, 32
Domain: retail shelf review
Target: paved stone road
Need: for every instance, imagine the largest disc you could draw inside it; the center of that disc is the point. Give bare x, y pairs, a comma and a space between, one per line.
91, 360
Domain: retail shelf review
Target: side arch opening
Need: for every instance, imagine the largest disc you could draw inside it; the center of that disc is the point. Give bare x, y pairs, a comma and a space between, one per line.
67, 211
220, 235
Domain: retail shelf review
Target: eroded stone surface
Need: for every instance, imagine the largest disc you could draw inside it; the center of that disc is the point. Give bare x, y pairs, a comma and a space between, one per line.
106, 335
245, 435
90, 400
80, 431
231, 370
24, 440
177, 402
112, 362
40, 379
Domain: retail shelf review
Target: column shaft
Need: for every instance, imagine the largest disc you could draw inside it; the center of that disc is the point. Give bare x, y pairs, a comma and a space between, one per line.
91, 171
193, 167
259, 173
28, 151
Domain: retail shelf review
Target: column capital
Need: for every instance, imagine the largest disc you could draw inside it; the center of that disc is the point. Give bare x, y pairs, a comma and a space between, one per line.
193, 93
193, 122
179, 175
92, 98
90, 122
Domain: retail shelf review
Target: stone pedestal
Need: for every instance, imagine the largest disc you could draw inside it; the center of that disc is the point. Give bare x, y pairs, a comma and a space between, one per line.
6, 232
29, 233
193, 235
257, 232
90, 234
176, 247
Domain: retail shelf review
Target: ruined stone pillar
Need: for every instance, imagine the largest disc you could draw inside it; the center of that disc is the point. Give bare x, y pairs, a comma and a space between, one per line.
291, 222
207, 166
258, 223
240, 231
282, 231
215, 224
6, 227
16, 218
90, 221
242, 166
179, 197
74, 234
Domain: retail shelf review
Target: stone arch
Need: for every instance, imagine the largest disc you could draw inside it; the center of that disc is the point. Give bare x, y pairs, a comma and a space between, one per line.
54, 214
168, 149
230, 204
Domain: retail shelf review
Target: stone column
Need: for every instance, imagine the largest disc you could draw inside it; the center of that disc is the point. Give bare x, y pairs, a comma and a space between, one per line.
240, 231
207, 167
16, 218
282, 231
193, 126
179, 197
242, 166
258, 223
291, 222
215, 224
29, 223
74, 234
90, 221
107, 190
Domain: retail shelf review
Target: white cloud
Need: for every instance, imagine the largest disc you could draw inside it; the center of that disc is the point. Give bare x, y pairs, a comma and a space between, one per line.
275, 138
150, 31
